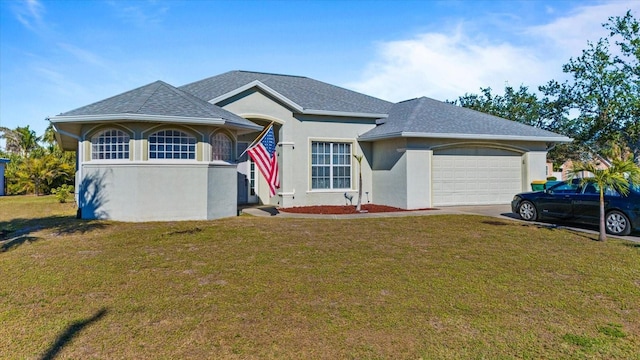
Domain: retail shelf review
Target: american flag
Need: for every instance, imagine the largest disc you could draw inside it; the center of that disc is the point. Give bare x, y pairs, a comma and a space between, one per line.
263, 153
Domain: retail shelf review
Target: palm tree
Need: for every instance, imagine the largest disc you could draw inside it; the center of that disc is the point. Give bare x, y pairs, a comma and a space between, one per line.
28, 140
619, 176
49, 138
11, 139
21, 141
37, 173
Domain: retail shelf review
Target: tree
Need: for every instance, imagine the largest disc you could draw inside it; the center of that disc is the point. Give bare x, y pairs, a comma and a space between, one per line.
604, 90
49, 138
525, 107
22, 140
33, 168
37, 174
622, 172
517, 105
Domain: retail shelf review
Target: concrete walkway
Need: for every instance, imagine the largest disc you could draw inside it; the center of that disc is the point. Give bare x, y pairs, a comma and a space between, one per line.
497, 211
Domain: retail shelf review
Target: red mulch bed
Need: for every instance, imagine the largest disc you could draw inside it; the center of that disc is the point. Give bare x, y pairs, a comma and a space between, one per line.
340, 209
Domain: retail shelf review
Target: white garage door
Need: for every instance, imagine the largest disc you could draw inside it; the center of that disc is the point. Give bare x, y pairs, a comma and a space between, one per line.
476, 179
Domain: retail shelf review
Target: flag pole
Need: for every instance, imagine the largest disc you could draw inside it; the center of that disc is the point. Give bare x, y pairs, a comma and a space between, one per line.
258, 138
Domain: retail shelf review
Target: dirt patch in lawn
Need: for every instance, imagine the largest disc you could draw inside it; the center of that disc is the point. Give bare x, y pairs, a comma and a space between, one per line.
341, 209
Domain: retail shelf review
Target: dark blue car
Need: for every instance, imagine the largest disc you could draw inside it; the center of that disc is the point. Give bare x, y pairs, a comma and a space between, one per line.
573, 202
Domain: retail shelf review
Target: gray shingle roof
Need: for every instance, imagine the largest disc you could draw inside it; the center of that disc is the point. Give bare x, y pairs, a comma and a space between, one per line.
307, 93
160, 99
425, 117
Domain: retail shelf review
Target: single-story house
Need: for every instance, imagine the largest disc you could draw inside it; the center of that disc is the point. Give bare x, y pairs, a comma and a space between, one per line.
563, 172
3, 165
418, 153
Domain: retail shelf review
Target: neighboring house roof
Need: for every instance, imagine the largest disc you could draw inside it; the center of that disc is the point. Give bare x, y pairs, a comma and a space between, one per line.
302, 94
425, 117
155, 102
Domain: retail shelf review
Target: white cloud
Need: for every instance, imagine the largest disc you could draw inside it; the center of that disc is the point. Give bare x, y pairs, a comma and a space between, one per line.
57, 83
569, 34
445, 65
143, 14
83, 55
29, 13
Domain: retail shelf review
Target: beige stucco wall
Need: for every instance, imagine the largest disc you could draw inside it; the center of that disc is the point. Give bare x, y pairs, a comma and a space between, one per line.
140, 189
402, 168
294, 135
157, 191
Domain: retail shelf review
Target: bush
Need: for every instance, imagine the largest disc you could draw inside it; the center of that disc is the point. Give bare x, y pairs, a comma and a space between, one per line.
63, 192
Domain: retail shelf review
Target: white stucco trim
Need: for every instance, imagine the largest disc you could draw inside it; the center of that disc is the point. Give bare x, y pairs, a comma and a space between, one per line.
156, 163
149, 118
508, 147
343, 113
92, 131
298, 108
404, 134
65, 133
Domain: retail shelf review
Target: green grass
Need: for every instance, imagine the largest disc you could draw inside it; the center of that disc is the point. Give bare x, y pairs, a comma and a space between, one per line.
433, 287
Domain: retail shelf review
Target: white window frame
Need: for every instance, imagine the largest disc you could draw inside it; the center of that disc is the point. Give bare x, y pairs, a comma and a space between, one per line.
111, 144
332, 164
185, 140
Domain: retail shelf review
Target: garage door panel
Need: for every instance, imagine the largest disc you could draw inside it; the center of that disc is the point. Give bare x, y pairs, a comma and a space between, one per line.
475, 179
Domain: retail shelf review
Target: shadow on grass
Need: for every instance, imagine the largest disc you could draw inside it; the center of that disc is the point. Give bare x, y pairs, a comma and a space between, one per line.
71, 332
511, 215
15, 242
16, 232
495, 222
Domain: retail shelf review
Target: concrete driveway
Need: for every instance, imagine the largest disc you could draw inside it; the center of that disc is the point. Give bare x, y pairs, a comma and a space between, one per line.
498, 211
504, 211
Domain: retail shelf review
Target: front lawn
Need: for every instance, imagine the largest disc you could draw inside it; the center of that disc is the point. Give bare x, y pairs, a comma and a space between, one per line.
433, 287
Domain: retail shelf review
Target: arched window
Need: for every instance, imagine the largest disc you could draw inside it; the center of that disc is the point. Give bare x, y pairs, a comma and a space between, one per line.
222, 147
172, 144
111, 144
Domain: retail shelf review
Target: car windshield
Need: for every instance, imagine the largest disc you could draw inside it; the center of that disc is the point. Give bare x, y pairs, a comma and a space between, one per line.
565, 187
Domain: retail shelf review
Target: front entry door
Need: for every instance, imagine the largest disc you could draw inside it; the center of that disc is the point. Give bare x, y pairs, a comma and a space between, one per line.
246, 177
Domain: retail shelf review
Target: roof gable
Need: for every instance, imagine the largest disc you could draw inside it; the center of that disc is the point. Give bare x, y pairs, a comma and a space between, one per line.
157, 102
159, 99
303, 94
425, 117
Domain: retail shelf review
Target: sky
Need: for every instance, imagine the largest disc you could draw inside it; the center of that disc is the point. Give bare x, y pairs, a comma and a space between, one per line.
56, 56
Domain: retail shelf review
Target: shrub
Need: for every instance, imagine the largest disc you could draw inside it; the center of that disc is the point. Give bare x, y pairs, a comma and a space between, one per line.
62, 192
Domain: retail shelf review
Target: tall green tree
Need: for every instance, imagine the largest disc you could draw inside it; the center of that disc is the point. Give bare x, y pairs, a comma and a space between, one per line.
37, 174
604, 90
22, 140
519, 105
524, 106
34, 168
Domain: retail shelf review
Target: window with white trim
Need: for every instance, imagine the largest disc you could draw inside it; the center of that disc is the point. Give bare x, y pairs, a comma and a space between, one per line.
221, 147
172, 144
111, 144
330, 165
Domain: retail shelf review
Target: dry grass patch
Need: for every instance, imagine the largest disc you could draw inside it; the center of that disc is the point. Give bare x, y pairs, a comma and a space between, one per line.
446, 287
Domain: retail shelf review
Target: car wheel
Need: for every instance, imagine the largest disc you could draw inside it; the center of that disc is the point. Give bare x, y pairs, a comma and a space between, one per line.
527, 211
617, 223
